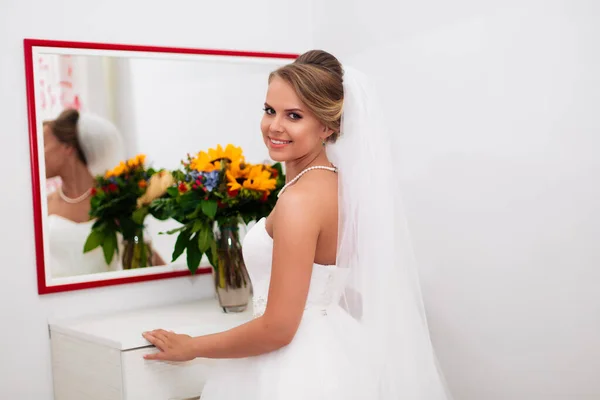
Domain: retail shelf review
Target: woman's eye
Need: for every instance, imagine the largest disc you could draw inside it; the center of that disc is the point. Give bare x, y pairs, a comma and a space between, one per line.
295, 116
269, 111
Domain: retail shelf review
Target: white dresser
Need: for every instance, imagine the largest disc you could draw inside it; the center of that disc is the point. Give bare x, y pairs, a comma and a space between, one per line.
101, 357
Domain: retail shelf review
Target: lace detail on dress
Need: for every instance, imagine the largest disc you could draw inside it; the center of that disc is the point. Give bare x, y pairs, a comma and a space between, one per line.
326, 284
259, 305
325, 290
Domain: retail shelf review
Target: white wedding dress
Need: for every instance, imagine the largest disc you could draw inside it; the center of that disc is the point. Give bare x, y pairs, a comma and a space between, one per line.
324, 359
66, 239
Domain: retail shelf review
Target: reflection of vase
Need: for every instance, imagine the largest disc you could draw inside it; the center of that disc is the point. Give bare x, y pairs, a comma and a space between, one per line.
232, 282
136, 253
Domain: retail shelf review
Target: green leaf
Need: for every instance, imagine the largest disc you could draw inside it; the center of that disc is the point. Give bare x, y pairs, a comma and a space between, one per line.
209, 208
109, 246
95, 202
205, 238
139, 215
99, 225
193, 256
94, 240
212, 255
194, 214
173, 191
181, 243
161, 209
172, 231
178, 175
198, 225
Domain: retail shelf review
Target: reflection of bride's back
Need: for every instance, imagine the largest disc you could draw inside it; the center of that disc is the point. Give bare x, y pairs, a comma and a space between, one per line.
77, 147
66, 239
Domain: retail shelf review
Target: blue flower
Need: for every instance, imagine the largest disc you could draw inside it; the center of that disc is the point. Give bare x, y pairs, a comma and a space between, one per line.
192, 176
211, 180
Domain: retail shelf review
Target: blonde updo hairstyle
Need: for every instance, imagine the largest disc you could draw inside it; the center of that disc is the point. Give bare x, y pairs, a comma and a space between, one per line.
317, 78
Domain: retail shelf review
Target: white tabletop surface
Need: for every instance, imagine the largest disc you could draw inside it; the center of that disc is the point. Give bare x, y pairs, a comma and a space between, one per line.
123, 330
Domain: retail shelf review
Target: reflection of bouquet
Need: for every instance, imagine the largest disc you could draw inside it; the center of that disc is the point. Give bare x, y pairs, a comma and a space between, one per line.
120, 203
217, 186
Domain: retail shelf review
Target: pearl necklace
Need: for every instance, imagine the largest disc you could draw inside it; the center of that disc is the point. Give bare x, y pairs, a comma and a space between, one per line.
75, 200
332, 169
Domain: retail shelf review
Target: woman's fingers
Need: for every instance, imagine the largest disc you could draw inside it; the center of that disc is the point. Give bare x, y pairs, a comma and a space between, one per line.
158, 339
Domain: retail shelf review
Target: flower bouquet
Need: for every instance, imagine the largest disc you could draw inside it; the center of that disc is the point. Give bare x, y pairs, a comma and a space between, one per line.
215, 192
120, 202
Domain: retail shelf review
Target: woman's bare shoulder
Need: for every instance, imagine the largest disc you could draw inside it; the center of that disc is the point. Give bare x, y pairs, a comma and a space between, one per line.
52, 200
310, 199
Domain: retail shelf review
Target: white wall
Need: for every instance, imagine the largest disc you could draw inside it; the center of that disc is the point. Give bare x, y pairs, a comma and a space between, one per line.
257, 25
182, 106
495, 112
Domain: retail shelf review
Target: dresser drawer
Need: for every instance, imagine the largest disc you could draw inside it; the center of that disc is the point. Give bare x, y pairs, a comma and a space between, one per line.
150, 380
84, 370
102, 357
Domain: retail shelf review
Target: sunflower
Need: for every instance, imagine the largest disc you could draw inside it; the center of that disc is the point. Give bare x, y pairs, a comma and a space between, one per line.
239, 169
259, 179
119, 170
232, 183
212, 160
202, 163
236, 173
136, 161
231, 153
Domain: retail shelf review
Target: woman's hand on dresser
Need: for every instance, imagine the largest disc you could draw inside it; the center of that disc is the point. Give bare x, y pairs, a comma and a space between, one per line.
172, 346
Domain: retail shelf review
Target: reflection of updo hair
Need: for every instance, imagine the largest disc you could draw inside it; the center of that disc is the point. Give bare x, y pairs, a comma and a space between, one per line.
64, 128
317, 78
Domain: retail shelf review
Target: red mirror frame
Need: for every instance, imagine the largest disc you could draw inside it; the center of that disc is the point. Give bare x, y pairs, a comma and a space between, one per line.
28, 45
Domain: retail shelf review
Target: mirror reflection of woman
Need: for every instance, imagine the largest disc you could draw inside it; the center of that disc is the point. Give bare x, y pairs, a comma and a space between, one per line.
77, 147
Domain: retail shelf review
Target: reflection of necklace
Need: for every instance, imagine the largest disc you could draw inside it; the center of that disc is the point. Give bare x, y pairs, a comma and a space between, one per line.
76, 200
332, 169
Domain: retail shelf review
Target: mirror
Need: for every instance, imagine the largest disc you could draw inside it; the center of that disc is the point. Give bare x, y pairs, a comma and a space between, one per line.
92, 106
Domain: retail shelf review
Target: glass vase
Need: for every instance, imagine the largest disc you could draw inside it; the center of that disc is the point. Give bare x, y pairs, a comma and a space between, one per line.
232, 282
136, 253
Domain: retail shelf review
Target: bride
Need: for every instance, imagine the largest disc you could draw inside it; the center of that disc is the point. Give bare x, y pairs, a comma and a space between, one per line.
77, 147
337, 307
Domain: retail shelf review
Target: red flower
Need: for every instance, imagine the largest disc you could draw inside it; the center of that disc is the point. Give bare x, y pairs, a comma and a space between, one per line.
112, 187
274, 173
93, 191
182, 187
264, 197
195, 186
233, 193
220, 204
